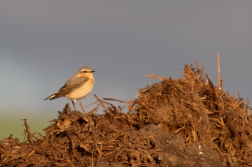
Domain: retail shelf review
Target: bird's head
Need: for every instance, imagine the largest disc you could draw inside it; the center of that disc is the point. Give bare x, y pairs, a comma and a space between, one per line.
86, 71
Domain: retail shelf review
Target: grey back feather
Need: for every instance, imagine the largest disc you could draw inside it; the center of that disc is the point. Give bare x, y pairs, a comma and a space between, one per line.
71, 84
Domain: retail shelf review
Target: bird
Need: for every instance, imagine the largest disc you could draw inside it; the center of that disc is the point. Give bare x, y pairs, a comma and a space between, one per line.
77, 87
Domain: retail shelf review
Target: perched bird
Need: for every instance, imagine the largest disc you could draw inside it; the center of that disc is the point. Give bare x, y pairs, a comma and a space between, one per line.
77, 87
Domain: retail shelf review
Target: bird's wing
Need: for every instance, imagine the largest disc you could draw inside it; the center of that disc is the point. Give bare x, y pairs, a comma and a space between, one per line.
70, 85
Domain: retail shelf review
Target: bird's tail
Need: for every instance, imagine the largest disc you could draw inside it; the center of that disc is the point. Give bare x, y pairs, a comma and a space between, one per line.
51, 97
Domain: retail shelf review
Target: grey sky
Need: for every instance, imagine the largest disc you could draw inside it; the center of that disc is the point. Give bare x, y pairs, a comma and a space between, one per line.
43, 43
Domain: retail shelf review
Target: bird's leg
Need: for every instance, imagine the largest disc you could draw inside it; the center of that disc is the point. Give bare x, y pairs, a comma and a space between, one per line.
74, 105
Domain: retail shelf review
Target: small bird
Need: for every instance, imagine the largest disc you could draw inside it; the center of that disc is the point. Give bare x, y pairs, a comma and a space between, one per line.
77, 87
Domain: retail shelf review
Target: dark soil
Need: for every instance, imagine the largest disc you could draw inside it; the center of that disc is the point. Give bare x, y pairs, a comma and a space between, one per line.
176, 122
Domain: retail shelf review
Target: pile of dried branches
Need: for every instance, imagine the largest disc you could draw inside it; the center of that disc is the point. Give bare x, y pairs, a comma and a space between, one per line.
78, 139
199, 111
191, 107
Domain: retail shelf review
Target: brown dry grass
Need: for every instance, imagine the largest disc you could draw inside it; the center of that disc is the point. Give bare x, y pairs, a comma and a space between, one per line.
167, 124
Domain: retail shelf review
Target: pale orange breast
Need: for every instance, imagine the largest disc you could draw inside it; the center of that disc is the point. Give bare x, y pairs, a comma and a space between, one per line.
82, 91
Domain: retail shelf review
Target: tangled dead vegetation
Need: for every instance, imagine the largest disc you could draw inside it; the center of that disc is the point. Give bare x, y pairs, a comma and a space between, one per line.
176, 122
197, 110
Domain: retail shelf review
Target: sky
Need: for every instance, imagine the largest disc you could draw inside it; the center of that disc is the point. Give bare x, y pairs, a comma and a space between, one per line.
43, 43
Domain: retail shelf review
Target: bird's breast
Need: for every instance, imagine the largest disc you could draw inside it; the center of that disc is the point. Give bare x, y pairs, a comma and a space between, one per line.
81, 92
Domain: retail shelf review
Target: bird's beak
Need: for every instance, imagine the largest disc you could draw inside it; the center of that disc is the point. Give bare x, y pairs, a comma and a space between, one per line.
93, 71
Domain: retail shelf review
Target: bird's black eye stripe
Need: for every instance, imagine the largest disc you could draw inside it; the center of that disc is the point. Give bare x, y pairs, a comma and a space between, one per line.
87, 71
